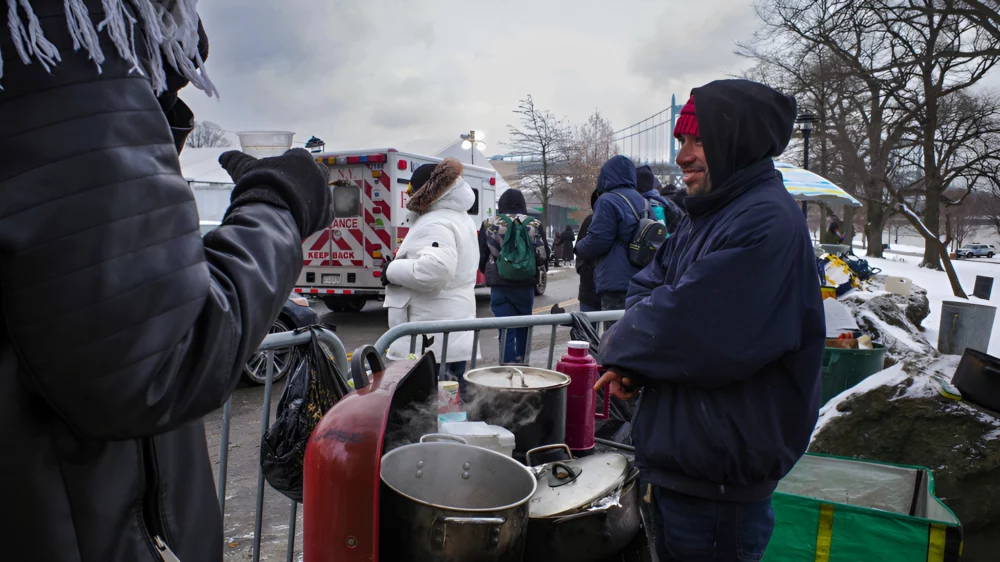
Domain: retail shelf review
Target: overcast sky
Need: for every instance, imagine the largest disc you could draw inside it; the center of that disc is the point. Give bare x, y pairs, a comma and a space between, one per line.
414, 74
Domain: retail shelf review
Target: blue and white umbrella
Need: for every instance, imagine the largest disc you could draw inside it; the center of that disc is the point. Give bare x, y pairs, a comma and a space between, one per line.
807, 186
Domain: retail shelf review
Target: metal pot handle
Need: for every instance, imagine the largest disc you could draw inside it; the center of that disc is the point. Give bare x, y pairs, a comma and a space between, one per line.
438, 437
439, 531
474, 520
527, 456
510, 375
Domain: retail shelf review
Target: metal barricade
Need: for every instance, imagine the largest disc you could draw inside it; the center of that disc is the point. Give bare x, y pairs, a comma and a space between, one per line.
272, 342
477, 325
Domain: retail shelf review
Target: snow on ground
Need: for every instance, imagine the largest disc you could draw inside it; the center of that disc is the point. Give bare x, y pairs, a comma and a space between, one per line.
889, 377
939, 289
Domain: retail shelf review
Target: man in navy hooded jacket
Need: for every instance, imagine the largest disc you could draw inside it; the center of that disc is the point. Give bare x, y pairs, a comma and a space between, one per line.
724, 332
611, 229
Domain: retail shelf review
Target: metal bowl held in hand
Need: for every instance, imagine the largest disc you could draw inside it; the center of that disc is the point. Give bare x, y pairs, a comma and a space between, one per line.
583, 510
451, 502
527, 401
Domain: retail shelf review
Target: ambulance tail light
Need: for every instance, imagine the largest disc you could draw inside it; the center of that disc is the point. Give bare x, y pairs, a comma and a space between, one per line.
493, 181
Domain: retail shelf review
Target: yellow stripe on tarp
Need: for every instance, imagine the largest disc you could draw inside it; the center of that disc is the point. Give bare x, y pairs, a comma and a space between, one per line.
935, 543
824, 534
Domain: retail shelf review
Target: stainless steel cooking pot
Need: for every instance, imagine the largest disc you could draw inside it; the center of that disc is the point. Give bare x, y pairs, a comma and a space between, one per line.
583, 510
527, 401
451, 502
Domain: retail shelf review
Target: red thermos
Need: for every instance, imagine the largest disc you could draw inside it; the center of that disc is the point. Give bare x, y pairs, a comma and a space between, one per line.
581, 398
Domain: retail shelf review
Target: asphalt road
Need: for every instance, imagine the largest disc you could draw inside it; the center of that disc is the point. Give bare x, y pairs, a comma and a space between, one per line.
355, 330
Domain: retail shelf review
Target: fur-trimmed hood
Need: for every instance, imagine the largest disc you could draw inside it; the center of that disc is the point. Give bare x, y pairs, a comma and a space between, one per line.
442, 180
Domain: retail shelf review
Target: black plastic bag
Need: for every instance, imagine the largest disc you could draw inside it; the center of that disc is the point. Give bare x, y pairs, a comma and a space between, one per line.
314, 386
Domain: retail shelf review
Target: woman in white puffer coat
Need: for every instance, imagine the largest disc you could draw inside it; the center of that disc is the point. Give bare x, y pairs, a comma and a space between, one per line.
433, 275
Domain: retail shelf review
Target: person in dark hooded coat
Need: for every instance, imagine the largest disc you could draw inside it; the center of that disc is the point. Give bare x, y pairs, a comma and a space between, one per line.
649, 186
589, 301
566, 239
724, 332
833, 235
611, 230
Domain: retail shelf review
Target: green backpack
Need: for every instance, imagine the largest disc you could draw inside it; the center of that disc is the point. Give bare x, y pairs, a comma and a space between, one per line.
516, 261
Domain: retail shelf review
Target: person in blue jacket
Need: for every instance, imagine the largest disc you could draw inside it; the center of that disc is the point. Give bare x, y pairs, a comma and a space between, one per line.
724, 333
611, 230
649, 186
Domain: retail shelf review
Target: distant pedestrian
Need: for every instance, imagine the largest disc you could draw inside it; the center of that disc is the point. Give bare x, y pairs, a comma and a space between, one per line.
675, 194
612, 228
664, 210
833, 235
589, 301
557, 249
433, 275
566, 240
512, 268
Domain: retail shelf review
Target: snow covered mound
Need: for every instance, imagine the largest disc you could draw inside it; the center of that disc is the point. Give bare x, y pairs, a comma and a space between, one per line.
899, 416
892, 320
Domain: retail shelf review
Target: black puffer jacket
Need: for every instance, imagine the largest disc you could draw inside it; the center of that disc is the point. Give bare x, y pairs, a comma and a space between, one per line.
121, 327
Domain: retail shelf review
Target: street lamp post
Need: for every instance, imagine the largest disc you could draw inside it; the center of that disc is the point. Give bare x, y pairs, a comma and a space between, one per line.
805, 121
473, 142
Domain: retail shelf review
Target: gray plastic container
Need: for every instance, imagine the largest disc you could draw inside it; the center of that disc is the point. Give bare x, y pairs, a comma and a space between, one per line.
965, 325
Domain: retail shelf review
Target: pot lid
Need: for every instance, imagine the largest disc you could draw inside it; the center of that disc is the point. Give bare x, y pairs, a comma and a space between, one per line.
510, 377
596, 477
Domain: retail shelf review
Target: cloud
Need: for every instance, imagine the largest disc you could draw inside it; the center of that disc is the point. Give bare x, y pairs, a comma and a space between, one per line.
694, 46
415, 74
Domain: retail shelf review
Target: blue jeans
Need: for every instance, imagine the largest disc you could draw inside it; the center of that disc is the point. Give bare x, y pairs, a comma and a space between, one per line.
699, 530
512, 301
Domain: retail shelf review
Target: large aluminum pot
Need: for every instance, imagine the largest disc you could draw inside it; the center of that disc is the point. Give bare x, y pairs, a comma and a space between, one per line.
451, 502
527, 401
564, 525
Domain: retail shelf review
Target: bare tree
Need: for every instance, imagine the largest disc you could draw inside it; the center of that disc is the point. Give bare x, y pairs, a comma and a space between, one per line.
541, 140
933, 43
207, 134
590, 148
842, 62
960, 224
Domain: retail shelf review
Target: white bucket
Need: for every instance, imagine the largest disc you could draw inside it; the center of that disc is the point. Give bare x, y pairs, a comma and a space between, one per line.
262, 144
898, 285
479, 434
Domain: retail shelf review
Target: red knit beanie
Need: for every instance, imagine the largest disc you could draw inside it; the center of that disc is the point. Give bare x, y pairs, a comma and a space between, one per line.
686, 123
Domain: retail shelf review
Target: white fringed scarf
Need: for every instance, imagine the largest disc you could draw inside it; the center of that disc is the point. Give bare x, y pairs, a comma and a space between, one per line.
169, 26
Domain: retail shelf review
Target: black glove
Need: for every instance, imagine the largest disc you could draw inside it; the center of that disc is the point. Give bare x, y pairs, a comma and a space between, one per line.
292, 181
385, 271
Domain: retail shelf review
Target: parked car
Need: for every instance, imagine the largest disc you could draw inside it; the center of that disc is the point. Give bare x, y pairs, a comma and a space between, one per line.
295, 314
975, 251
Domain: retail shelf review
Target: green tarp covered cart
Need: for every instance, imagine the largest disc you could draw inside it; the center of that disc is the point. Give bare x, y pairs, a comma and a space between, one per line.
832, 509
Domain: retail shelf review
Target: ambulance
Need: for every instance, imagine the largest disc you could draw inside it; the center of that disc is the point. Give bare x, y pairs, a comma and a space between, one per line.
342, 264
